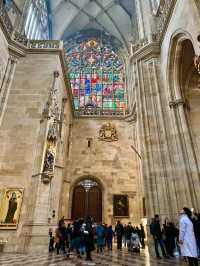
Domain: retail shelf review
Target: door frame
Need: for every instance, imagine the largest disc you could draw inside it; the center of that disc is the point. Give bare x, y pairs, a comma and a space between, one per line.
75, 182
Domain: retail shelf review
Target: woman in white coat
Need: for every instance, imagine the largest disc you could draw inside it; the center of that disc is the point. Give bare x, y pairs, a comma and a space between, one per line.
187, 238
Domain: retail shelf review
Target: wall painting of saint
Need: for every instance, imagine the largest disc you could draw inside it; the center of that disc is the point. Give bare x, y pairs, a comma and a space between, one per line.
10, 207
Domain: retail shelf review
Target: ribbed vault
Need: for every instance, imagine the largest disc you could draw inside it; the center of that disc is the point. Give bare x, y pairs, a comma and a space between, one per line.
114, 17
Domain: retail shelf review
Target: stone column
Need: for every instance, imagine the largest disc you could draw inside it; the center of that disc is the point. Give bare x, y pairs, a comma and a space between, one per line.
190, 171
39, 204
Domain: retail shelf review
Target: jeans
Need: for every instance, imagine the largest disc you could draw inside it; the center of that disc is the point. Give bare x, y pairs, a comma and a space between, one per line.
158, 241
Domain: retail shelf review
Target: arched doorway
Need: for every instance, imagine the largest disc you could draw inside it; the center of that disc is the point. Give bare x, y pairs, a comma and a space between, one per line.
87, 200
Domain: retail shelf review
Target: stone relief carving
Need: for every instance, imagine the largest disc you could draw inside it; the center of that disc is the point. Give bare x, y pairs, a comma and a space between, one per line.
52, 113
108, 133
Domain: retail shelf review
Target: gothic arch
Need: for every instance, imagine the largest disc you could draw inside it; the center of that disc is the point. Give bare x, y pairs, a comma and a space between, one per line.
175, 49
76, 181
179, 73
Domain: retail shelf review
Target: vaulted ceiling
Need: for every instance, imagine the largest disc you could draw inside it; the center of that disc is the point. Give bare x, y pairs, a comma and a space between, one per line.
114, 17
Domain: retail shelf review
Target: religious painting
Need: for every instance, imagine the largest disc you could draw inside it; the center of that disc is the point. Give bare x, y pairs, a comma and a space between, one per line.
120, 206
10, 207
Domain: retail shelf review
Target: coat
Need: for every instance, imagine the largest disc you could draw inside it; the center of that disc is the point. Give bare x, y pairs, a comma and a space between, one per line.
100, 232
186, 234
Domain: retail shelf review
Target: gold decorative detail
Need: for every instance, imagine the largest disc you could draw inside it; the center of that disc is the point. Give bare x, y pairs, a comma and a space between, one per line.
108, 133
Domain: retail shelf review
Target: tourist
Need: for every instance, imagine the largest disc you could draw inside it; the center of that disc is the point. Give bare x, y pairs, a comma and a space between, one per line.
110, 235
100, 233
142, 235
119, 231
125, 236
156, 232
187, 238
51, 240
170, 233
75, 237
82, 239
129, 231
89, 239
196, 223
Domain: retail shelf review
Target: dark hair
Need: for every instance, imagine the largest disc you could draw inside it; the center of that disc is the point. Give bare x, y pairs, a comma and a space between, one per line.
188, 212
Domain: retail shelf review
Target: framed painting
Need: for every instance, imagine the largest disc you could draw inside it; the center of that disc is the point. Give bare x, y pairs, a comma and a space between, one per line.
120, 206
10, 207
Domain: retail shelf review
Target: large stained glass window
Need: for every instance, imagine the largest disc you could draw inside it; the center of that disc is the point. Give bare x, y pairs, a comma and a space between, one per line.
97, 79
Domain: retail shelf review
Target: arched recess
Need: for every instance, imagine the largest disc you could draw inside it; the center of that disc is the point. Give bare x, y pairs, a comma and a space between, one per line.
184, 95
87, 198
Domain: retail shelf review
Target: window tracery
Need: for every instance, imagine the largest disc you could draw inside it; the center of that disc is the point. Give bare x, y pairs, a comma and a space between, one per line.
37, 26
97, 78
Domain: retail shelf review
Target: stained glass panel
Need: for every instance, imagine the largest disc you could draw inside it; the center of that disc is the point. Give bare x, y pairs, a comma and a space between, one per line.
97, 79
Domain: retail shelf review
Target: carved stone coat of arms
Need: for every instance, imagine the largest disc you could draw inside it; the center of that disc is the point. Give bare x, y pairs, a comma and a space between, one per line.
108, 133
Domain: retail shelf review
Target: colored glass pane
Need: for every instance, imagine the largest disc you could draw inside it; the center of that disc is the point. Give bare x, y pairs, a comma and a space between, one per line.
96, 76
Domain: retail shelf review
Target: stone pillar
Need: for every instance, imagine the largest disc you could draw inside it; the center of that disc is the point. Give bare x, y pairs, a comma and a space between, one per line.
190, 171
39, 205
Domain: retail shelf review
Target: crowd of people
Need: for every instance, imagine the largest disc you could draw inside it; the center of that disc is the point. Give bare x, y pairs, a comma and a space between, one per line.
183, 241
83, 236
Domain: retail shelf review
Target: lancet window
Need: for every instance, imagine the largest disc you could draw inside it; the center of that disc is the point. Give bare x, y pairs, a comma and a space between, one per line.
37, 22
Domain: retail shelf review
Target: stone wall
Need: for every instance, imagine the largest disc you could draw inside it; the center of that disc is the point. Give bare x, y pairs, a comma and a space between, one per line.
23, 135
113, 164
169, 161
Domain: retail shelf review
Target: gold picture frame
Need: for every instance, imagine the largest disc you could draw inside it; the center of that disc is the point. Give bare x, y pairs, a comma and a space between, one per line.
10, 207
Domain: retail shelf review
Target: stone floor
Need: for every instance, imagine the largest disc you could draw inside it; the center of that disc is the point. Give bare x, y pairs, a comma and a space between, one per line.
115, 258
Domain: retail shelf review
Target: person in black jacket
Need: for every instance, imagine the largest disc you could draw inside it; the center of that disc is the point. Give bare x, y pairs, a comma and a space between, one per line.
89, 239
156, 232
119, 231
196, 224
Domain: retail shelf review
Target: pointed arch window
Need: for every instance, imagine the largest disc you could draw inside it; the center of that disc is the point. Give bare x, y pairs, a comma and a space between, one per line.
37, 23
97, 78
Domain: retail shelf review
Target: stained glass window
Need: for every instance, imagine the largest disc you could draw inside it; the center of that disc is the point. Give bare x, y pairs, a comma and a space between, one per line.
97, 79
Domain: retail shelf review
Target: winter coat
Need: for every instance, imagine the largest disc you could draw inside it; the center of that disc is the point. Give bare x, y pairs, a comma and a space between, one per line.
100, 232
186, 234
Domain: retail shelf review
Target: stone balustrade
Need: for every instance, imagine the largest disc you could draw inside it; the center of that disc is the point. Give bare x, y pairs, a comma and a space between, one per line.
22, 39
45, 44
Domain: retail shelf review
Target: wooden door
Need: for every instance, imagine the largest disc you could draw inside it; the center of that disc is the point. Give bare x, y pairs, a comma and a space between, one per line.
79, 202
95, 203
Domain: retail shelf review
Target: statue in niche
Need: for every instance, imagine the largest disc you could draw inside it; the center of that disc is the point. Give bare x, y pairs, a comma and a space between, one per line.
53, 132
108, 133
49, 161
12, 207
